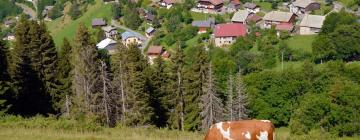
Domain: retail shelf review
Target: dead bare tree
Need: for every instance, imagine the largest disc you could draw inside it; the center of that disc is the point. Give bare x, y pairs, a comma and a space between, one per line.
212, 107
230, 103
240, 101
105, 106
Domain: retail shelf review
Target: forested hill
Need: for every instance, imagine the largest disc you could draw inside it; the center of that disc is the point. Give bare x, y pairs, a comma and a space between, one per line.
309, 84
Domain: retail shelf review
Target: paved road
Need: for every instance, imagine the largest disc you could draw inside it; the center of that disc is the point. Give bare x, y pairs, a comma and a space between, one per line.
144, 39
27, 10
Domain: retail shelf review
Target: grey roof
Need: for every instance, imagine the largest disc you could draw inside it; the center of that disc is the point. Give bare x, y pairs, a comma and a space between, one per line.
302, 3
278, 16
98, 22
149, 30
314, 21
240, 16
149, 16
127, 34
204, 23
250, 5
108, 28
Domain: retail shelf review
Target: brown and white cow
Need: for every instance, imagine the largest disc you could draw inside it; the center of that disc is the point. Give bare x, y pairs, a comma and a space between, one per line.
242, 130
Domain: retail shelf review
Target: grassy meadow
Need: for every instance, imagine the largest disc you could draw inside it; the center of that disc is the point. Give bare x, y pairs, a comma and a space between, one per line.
40, 128
64, 27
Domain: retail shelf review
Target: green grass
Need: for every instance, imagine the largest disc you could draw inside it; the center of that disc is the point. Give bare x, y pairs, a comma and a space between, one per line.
348, 3
266, 6
302, 43
199, 16
60, 29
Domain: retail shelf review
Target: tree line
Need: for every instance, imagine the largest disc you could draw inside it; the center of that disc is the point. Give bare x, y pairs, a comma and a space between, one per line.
198, 86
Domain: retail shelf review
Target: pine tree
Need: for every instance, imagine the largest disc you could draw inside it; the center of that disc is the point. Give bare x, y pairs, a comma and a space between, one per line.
175, 97
65, 75
4, 78
194, 88
230, 99
140, 111
158, 91
32, 69
120, 95
240, 100
212, 108
86, 73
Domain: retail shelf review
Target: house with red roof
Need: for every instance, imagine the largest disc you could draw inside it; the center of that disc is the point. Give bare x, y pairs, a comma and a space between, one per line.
214, 5
226, 34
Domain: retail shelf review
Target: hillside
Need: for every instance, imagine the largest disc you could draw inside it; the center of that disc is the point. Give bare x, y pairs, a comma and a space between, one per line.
64, 27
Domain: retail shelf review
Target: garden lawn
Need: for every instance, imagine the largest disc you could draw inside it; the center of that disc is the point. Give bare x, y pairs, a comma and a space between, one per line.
60, 29
266, 6
301, 43
199, 16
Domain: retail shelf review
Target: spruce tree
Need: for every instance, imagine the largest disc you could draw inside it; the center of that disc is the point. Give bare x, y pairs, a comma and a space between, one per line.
175, 99
64, 75
86, 73
212, 108
119, 79
28, 70
194, 88
240, 100
140, 111
4, 78
158, 91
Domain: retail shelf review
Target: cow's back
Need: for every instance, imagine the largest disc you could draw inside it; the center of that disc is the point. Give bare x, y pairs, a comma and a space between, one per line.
242, 130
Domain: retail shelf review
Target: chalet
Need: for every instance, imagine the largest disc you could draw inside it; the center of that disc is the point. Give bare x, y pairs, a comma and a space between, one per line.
149, 32
154, 52
46, 11
226, 34
214, 5
253, 18
9, 37
167, 3
130, 38
233, 5
98, 22
240, 16
251, 7
107, 44
311, 24
9, 22
110, 32
277, 17
204, 25
149, 17
304, 6
285, 27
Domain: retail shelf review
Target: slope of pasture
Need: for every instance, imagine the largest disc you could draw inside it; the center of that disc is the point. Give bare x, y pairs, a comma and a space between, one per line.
61, 28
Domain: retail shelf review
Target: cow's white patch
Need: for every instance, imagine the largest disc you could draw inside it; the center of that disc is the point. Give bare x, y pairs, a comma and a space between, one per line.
225, 134
263, 135
247, 135
265, 121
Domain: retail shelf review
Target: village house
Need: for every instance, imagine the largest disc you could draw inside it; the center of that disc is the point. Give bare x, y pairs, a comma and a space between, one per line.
233, 6
130, 38
46, 11
357, 13
149, 17
9, 22
226, 34
311, 24
277, 17
204, 25
9, 37
304, 6
240, 16
98, 22
167, 3
251, 7
253, 18
154, 52
110, 32
211, 5
107, 44
149, 32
